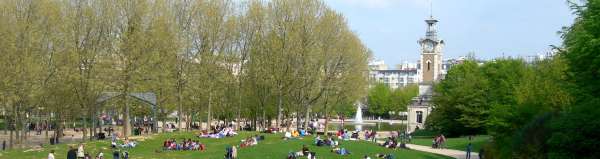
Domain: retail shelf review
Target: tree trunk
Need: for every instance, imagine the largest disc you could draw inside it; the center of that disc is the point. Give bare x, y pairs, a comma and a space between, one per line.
84, 129
126, 123
307, 116
209, 117
179, 106
279, 108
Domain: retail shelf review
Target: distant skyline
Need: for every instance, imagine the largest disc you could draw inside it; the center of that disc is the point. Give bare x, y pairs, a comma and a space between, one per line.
488, 28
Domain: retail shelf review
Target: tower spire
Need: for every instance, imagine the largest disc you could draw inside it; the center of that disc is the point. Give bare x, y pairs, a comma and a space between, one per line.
431, 9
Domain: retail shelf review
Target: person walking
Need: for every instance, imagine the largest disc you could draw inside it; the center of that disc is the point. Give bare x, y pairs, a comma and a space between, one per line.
469, 147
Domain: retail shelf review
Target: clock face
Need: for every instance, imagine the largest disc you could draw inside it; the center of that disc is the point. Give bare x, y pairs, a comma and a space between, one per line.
429, 47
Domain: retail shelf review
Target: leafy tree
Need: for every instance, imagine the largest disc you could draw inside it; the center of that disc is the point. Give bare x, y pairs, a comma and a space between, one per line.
379, 99
574, 130
460, 99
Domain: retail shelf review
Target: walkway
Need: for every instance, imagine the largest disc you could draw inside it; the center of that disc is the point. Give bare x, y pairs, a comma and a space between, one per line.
446, 152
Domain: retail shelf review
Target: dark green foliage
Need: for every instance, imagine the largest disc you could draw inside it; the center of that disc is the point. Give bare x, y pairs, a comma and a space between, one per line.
582, 49
461, 105
575, 133
425, 133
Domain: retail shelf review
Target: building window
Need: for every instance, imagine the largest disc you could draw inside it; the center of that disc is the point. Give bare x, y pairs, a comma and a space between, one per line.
419, 117
428, 65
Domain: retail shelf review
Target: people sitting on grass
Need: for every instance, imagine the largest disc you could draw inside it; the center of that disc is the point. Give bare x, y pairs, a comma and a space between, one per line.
287, 135
128, 143
303, 152
385, 156
272, 130
319, 141
390, 143
355, 135
186, 145
340, 134
329, 141
224, 132
294, 134
340, 151
250, 141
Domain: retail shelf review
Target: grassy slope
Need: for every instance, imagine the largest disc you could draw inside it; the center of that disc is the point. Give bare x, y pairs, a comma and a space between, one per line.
456, 143
272, 148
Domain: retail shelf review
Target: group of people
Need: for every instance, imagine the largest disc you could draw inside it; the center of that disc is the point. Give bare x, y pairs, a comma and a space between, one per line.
303, 152
189, 144
79, 153
329, 141
340, 151
295, 134
219, 133
391, 142
439, 142
370, 135
126, 143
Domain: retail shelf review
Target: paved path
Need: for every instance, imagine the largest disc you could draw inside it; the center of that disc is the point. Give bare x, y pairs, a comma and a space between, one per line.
446, 152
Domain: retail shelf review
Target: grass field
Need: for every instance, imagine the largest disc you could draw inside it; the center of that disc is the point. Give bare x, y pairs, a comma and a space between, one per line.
271, 148
456, 143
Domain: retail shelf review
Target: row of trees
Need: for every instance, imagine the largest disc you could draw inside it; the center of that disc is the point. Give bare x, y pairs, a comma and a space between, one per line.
218, 59
382, 100
544, 109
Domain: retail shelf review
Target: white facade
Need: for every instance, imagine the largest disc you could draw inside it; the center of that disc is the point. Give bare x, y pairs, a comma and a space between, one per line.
394, 78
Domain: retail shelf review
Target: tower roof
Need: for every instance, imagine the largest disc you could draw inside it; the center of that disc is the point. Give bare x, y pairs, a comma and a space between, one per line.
431, 33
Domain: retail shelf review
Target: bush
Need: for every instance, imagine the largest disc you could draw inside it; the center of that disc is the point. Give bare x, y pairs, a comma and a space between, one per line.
425, 133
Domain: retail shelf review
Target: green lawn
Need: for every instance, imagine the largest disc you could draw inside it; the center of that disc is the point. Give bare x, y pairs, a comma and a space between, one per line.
456, 143
272, 148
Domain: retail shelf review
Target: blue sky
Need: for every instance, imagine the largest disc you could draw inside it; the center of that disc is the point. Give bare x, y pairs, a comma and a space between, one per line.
489, 28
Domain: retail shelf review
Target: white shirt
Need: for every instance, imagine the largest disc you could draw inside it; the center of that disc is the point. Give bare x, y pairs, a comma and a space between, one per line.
50, 156
80, 152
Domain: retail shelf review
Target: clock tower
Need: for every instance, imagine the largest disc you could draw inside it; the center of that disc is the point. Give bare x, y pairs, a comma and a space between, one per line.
430, 71
431, 53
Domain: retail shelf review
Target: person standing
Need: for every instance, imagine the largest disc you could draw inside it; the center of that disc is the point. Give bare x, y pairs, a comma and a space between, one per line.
116, 154
72, 153
80, 152
51, 154
469, 147
234, 152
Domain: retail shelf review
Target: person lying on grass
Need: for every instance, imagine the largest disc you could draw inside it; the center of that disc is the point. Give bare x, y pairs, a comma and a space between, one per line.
385, 156
340, 151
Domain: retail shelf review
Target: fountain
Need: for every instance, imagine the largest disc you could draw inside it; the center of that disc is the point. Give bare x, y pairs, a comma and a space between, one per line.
358, 120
